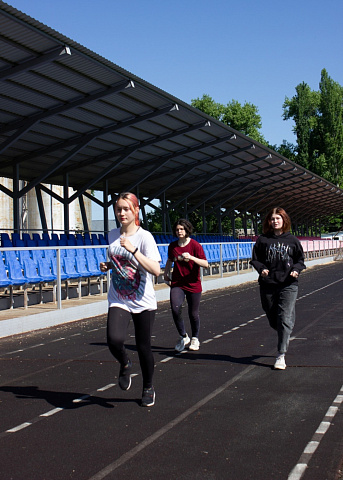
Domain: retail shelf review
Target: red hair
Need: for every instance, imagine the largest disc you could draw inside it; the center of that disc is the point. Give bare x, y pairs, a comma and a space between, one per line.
132, 200
267, 224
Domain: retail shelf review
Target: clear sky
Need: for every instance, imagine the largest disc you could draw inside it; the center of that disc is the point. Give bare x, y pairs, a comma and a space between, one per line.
249, 50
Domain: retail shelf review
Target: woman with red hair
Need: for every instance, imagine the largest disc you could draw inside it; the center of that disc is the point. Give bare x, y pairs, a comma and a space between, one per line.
278, 257
134, 261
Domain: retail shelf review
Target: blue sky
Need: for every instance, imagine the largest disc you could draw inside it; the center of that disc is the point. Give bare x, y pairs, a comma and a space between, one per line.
254, 51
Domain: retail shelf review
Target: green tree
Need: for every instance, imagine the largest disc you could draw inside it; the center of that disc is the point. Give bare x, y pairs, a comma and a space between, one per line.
330, 127
303, 109
244, 118
318, 118
207, 105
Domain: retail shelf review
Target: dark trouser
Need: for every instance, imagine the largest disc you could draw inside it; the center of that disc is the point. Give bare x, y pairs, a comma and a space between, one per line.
279, 305
117, 323
177, 297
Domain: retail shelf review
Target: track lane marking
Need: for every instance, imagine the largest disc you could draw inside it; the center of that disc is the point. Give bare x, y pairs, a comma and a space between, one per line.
300, 468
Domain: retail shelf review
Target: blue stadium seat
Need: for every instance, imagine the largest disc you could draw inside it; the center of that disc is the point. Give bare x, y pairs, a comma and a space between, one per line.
87, 239
69, 267
102, 239
71, 240
6, 241
64, 276
81, 267
92, 263
14, 271
79, 239
35, 238
26, 237
44, 270
15, 238
163, 249
4, 280
30, 272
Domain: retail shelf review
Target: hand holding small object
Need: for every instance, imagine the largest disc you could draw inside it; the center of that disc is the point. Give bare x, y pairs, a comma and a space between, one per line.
105, 266
125, 242
186, 257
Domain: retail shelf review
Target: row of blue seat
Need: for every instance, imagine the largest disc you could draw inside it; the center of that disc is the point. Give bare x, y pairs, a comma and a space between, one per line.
42, 267
212, 252
52, 240
201, 238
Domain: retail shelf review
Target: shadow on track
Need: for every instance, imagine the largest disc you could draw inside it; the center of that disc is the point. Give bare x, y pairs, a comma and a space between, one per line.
64, 400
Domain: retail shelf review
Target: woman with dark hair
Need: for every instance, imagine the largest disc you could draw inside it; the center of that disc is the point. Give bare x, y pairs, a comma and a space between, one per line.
188, 256
134, 260
278, 257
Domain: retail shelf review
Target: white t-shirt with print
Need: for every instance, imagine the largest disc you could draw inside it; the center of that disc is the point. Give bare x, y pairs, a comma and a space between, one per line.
132, 287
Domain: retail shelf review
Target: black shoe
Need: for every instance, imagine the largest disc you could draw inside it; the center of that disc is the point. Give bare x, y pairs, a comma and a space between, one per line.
125, 376
148, 397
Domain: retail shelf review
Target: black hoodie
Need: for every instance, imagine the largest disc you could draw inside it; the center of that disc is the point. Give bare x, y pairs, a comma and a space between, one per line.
280, 254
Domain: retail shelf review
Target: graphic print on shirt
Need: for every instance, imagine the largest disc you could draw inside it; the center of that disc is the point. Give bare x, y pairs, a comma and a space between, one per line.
126, 278
279, 251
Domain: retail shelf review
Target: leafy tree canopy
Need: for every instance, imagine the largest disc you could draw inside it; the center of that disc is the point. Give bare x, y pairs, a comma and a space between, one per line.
244, 118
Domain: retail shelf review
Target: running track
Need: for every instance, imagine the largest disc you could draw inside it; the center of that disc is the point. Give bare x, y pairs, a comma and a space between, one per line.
221, 413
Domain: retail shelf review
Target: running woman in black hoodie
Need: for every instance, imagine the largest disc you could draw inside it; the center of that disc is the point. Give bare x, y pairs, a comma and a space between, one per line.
278, 257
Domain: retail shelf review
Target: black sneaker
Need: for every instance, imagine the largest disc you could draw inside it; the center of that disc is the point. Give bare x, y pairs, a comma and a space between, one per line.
125, 376
148, 397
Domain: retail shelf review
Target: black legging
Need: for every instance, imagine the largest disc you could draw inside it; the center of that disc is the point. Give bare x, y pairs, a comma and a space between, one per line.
117, 323
177, 297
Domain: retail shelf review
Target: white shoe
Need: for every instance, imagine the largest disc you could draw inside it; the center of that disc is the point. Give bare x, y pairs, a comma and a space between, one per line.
181, 344
195, 344
280, 363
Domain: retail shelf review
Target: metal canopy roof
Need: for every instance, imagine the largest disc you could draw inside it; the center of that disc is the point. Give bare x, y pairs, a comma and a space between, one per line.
67, 113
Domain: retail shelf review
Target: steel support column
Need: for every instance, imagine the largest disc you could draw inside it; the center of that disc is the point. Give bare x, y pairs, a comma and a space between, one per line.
16, 216
66, 203
41, 209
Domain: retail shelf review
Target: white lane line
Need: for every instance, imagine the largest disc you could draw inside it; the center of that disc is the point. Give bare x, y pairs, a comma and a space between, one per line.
299, 469
167, 359
51, 412
110, 468
81, 399
106, 387
311, 447
19, 427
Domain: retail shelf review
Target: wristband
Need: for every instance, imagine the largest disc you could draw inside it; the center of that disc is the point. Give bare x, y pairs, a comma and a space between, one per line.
133, 253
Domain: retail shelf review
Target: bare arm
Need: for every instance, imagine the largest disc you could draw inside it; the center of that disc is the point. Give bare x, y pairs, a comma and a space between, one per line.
151, 266
199, 261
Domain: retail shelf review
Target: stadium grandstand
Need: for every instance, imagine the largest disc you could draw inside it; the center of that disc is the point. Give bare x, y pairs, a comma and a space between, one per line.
72, 122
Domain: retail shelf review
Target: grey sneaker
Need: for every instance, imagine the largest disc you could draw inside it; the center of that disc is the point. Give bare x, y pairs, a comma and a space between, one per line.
280, 363
125, 376
148, 397
181, 344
